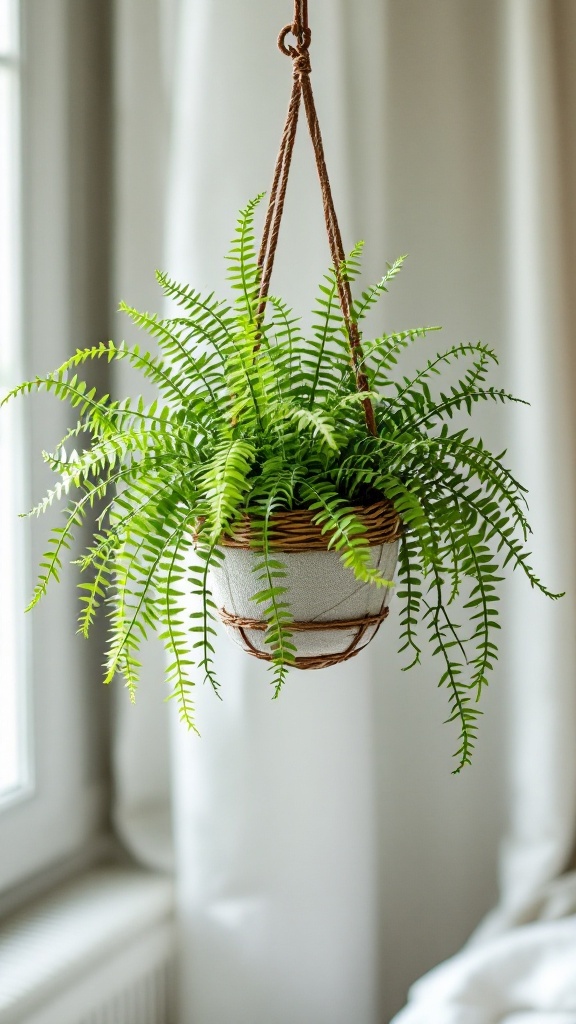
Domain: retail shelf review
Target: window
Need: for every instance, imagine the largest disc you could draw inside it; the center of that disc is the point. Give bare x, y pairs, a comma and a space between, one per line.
14, 752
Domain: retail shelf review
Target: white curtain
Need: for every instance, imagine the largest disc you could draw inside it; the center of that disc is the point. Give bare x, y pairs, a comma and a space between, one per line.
520, 967
325, 855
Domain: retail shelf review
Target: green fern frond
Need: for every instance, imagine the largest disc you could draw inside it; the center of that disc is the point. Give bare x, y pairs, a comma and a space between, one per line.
319, 423
226, 483
244, 272
371, 295
347, 536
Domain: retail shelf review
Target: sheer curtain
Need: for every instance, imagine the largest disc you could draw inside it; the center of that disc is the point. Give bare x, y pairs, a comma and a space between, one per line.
519, 967
325, 856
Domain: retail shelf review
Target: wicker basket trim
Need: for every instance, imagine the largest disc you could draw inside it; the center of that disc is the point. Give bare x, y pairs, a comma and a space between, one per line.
304, 627
318, 661
295, 531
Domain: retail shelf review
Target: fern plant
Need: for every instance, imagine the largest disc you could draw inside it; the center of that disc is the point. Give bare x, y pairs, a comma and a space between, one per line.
255, 416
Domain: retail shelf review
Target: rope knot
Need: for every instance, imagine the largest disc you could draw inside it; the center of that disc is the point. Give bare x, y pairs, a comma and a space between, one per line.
301, 64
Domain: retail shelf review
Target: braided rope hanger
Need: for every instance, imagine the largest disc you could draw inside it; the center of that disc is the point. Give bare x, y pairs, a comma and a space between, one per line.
302, 90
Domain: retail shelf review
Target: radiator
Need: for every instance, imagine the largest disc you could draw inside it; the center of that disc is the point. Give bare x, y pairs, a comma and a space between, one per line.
148, 1001
99, 950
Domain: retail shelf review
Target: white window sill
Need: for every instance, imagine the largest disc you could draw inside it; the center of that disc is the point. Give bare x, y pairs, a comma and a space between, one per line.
103, 940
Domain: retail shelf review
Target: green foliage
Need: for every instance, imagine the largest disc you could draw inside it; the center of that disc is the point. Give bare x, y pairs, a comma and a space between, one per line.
255, 417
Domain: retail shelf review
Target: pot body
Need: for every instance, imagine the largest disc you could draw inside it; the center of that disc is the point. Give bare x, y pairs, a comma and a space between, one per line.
319, 589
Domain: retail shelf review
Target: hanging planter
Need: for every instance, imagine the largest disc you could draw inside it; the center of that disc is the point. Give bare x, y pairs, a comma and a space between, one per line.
332, 614
283, 472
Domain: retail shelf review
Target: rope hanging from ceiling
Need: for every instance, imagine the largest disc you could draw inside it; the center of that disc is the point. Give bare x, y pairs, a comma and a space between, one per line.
302, 92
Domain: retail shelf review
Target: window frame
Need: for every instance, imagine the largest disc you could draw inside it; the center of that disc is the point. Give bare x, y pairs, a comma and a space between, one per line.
10, 64
65, 805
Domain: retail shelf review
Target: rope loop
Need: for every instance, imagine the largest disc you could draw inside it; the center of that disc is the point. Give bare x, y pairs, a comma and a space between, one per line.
304, 37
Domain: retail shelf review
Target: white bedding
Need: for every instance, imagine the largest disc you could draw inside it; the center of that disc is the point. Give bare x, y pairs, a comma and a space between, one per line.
525, 975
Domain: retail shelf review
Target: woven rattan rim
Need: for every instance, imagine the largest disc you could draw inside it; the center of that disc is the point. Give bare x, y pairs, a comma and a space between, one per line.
303, 627
296, 532
317, 661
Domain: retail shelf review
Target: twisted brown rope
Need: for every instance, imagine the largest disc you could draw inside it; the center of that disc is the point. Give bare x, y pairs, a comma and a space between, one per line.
302, 91
309, 626
315, 661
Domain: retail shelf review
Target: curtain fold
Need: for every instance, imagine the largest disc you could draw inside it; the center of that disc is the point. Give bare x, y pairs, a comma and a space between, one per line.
325, 856
520, 964
143, 45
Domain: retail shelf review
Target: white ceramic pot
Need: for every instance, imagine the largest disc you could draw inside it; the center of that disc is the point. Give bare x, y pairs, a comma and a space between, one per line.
319, 589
